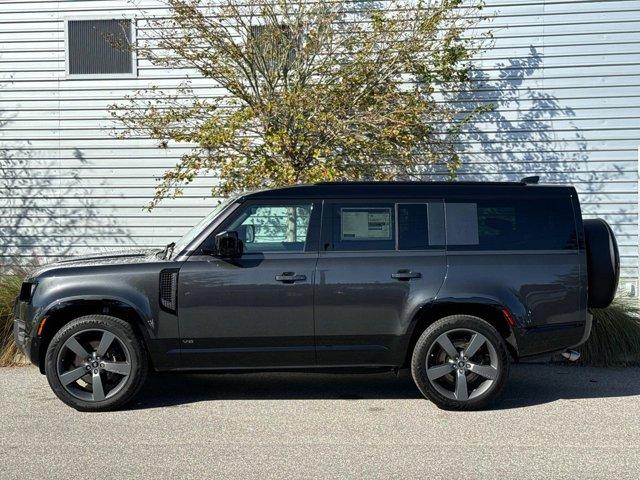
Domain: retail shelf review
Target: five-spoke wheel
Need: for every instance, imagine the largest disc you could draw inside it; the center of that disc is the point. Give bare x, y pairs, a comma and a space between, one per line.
460, 362
93, 364
96, 363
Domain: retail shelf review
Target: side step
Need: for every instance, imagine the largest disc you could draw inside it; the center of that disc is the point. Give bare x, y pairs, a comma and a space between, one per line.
571, 355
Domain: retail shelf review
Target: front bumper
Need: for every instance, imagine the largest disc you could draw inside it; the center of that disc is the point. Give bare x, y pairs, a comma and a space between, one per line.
23, 340
21, 333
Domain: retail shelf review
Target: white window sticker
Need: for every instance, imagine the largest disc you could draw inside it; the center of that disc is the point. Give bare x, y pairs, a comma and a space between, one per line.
366, 223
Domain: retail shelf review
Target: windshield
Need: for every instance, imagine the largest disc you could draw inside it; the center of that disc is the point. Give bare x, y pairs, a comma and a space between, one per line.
188, 237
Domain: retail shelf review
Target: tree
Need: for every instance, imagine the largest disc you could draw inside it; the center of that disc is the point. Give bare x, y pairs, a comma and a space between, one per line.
313, 90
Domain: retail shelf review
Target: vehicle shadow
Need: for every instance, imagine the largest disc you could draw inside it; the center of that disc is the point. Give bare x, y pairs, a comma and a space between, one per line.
529, 385
536, 384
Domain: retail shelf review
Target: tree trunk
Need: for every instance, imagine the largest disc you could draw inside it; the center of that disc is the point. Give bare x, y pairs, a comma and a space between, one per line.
292, 217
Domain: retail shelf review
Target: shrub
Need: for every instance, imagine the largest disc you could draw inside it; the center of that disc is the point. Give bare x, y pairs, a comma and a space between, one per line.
10, 283
615, 336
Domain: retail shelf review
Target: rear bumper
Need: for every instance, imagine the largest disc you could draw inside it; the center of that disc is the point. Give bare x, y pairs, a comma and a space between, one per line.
554, 337
587, 330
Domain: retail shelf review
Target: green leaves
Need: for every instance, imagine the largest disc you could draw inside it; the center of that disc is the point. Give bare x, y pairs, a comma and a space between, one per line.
307, 91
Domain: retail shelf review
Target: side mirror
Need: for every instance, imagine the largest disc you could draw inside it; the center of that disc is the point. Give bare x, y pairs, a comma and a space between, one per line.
247, 233
228, 245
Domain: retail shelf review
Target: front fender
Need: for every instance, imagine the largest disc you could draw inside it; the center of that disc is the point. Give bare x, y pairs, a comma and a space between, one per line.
56, 292
129, 292
140, 306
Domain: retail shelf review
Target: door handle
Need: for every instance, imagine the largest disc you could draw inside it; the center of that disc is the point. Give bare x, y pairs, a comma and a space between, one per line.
290, 277
406, 275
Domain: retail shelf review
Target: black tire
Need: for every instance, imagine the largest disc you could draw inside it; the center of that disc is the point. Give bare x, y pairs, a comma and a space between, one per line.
125, 352
491, 357
603, 262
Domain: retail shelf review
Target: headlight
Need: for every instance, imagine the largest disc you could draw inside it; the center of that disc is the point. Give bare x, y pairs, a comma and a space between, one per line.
26, 291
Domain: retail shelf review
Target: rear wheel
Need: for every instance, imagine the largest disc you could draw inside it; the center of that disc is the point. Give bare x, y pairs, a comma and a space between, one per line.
460, 363
96, 363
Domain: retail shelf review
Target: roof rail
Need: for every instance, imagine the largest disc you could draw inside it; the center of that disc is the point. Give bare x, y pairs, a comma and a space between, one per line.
401, 182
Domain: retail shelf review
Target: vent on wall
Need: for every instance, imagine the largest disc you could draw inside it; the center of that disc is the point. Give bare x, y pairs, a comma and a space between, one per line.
169, 290
99, 47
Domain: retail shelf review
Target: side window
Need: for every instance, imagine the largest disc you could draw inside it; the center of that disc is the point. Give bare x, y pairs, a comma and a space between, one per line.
412, 227
512, 224
362, 227
420, 226
273, 227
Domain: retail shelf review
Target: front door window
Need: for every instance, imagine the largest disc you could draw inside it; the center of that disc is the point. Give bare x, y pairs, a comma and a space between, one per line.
273, 228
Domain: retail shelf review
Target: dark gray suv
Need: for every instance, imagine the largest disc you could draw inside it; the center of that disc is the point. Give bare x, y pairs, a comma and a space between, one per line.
452, 280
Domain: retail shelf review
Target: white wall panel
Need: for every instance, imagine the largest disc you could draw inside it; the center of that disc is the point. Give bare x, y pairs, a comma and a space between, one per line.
564, 76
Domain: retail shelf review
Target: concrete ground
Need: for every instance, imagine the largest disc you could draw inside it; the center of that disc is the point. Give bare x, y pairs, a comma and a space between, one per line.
551, 422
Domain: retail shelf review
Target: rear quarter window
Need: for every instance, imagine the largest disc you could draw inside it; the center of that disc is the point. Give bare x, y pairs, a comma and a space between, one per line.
511, 224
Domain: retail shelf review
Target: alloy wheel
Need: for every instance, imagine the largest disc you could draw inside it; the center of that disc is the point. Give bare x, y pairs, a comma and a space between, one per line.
462, 364
93, 365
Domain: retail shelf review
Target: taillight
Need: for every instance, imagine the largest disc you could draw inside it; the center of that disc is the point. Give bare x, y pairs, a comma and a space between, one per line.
508, 317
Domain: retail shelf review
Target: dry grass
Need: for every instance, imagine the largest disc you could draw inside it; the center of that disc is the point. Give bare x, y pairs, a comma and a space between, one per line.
615, 336
10, 282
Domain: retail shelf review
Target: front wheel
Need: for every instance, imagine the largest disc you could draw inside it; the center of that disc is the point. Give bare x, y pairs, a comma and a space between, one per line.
460, 363
96, 363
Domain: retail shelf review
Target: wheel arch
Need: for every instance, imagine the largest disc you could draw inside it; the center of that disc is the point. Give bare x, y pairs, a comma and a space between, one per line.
64, 311
495, 313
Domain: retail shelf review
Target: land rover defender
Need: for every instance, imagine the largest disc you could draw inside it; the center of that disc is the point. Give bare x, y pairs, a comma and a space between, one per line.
451, 280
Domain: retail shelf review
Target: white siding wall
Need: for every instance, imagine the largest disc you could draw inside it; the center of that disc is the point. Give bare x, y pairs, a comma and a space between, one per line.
563, 74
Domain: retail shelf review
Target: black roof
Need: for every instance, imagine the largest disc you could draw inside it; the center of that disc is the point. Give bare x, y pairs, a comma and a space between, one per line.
408, 189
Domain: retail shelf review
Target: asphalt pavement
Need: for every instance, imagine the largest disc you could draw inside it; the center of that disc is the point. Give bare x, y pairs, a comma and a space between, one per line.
551, 422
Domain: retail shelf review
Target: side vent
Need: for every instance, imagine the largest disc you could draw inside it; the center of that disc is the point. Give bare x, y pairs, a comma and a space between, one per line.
169, 290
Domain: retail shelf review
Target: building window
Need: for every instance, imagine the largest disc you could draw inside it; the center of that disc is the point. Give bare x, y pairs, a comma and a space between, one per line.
100, 47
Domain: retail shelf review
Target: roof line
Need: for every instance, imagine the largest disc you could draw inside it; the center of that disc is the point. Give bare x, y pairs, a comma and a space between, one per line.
349, 183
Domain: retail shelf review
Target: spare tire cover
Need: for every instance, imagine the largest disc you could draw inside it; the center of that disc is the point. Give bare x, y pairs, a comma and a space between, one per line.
603, 262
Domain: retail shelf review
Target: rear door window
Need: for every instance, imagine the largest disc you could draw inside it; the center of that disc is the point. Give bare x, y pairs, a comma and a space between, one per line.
356, 226
413, 226
377, 225
511, 224
420, 226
